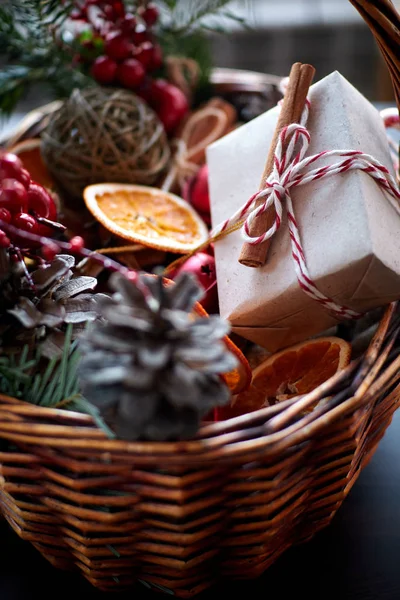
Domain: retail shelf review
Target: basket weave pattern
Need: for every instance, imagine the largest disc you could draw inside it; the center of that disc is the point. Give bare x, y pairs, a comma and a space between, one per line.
179, 516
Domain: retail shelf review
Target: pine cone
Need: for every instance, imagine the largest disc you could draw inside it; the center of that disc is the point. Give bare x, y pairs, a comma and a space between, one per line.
151, 366
39, 312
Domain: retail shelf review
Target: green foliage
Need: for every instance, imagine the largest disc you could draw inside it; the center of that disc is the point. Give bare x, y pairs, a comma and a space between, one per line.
33, 50
36, 50
185, 16
51, 383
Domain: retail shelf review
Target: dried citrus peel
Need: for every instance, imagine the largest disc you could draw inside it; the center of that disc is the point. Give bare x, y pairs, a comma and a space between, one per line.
147, 216
239, 379
28, 151
291, 372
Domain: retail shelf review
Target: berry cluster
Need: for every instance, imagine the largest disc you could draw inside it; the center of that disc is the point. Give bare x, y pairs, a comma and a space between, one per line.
126, 54
28, 216
24, 204
130, 49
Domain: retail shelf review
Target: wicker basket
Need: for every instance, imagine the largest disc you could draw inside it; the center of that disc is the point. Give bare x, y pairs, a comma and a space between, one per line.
178, 517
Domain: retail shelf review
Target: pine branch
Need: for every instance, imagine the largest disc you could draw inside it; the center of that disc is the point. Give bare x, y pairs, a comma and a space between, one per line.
32, 51
185, 16
54, 386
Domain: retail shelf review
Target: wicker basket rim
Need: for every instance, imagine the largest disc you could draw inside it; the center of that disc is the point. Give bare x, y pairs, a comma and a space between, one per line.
251, 433
271, 428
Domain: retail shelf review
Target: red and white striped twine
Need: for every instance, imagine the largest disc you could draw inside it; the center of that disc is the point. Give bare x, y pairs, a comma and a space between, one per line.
290, 171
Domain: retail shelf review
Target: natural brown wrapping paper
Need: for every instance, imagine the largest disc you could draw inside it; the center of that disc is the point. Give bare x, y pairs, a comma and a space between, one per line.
349, 230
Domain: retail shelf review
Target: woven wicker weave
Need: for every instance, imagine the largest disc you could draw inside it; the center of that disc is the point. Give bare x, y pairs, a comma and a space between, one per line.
181, 516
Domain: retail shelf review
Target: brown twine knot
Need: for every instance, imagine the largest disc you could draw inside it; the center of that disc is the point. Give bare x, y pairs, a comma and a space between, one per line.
203, 127
104, 134
183, 72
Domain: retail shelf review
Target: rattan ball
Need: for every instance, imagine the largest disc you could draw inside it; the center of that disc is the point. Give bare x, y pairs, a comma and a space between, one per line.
104, 135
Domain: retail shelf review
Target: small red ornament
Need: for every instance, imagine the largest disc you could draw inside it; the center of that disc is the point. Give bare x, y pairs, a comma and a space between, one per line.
13, 196
25, 222
150, 14
144, 54
10, 166
119, 9
156, 59
128, 24
40, 203
131, 73
168, 101
50, 251
104, 70
118, 46
198, 195
76, 244
5, 215
202, 265
4, 240
132, 276
140, 35
77, 15
108, 12
25, 178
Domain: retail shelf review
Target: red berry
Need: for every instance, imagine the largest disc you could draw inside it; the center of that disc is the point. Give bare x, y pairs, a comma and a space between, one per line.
149, 55
4, 240
10, 166
108, 12
132, 276
50, 251
25, 178
119, 9
118, 46
40, 203
76, 14
104, 69
141, 35
13, 196
150, 15
168, 101
76, 244
144, 54
156, 58
131, 73
5, 215
128, 24
25, 222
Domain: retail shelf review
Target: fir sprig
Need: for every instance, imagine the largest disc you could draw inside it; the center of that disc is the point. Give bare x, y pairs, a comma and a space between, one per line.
34, 52
52, 384
184, 16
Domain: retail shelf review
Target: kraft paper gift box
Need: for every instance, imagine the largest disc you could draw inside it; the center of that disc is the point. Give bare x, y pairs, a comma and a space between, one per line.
349, 230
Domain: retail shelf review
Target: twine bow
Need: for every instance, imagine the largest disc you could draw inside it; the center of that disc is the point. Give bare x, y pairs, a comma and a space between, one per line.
291, 170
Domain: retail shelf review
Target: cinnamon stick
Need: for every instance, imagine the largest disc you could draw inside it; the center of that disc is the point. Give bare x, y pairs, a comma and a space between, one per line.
300, 78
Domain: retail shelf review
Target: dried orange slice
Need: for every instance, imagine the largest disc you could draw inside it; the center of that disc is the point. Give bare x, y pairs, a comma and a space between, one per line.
29, 152
239, 379
291, 372
146, 215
